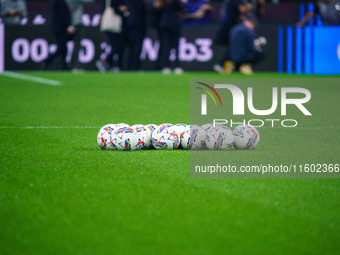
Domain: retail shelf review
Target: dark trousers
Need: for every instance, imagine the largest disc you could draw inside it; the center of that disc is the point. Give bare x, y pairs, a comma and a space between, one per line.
169, 40
222, 35
116, 42
76, 47
225, 56
258, 56
62, 39
158, 62
222, 38
135, 41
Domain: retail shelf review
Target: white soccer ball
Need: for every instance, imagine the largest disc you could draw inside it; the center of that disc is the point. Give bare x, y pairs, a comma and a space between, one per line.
207, 126
197, 138
167, 124
136, 125
219, 138
180, 128
121, 125
185, 138
246, 137
144, 137
165, 137
125, 139
104, 137
152, 127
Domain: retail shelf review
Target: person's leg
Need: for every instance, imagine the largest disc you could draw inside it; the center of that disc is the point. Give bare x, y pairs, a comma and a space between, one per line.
175, 36
62, 45
76, 48
221, 37
119, 44
50, 58
225, 65
139, 46
61, 51
166, 47
158, 65
135, 38
131, 37
104, 65
60, 38
225, 57
226, 54
110, 37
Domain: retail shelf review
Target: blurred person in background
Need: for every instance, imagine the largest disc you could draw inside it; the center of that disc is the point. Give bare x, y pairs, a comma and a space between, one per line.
154, 17
245, 50
136, 27
197, 12
77, 10
259, 8
61, 27
233, 12
329, 10
115, 40
12, 11
170, 32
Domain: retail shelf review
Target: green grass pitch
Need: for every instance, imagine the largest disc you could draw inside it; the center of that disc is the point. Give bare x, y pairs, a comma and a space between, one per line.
61, 194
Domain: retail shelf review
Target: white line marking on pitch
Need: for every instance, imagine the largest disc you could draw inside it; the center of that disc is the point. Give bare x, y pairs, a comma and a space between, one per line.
31, 78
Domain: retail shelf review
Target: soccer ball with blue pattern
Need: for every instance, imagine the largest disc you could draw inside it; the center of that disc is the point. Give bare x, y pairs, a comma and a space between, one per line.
144, 136
151, 127
124, 139
104, 137
185, 137
219, 138
197, 138
166, 137
246, 137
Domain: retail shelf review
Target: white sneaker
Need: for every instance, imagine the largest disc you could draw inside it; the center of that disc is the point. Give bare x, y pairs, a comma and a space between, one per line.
77, 70
166, 70
218, 68
114, 69
101, 67
178, 70
246, 69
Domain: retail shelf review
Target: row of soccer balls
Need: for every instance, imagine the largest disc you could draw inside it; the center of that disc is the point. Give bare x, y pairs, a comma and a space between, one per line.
167, 136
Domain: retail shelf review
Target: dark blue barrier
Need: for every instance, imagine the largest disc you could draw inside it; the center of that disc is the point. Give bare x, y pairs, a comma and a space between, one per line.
310, 50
